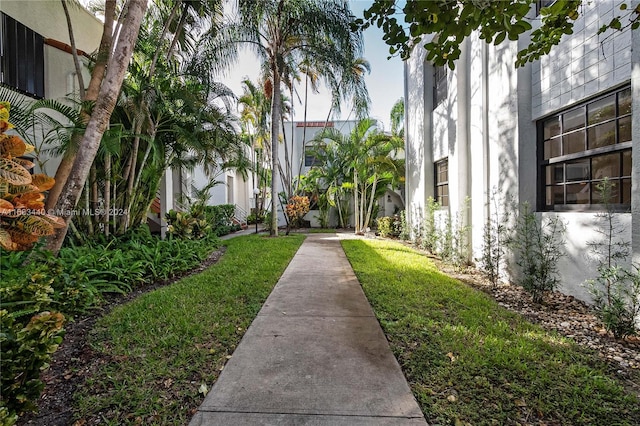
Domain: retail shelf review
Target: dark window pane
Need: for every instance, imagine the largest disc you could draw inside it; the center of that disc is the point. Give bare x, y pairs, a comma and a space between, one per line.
578, 193
624, 102
443, 195
626, 163
577, 170
626, 191
605, 166
573, 119
439, 85
552, 148
573, 142
555, 195
602, 110
602, 135
624, 129
551, 127
22, 57
442, 174
555, 174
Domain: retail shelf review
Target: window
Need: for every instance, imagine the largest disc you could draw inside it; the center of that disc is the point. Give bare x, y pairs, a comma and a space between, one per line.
439, 85
22, 53
442, 182
543, 3
310, 156
582, 146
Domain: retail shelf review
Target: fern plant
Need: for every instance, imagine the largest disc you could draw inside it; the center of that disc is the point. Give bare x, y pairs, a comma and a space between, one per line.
23, 219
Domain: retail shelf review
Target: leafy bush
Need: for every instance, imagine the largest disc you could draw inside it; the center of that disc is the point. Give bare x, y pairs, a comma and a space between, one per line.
616, 290
74, 282
384, 226
494, 238
191, 224
253, 218
539, 244
404, 227
25, 350
23, 219
429, 236
220, 216
616, 298
389, 226
267, 221
296, 208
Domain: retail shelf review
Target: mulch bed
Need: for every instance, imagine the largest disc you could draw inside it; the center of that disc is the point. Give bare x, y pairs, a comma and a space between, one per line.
566, 315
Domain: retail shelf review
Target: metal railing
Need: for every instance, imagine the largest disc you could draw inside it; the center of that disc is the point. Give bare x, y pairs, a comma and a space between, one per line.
240, 215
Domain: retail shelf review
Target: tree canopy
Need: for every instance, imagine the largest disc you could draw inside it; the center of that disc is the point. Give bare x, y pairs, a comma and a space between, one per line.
451, 21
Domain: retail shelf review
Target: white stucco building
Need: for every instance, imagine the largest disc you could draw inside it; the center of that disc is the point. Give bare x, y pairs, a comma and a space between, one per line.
545, 133
36, 55
299, 137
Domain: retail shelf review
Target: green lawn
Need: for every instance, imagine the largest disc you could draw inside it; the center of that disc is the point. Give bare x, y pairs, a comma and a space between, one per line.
162, 347
469, 361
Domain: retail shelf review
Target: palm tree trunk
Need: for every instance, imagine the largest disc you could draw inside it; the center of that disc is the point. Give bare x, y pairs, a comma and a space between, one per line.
93, 181
107, 192
276, 108
371, 200
105, 103
363, 202
355, 201
87, 206
170, 19
179, 29
304, 129
74, 51
129, 174
286, 173
64, 169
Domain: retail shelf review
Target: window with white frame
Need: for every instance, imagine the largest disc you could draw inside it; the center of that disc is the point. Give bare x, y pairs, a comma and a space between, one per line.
581, 146
442, 182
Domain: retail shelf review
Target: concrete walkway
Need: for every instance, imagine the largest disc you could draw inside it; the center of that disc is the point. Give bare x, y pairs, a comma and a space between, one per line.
314, 355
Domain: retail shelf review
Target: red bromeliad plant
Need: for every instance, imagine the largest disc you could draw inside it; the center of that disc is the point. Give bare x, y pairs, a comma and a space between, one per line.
23, 219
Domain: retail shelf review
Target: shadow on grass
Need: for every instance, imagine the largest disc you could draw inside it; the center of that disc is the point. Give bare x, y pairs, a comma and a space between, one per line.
155, 357
467, 359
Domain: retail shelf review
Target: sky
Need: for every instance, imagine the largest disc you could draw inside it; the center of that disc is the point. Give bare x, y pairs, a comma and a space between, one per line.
385, 82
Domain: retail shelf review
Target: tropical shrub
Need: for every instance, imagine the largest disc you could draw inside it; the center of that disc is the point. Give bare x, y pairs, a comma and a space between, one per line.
538, 245
429, 236
384, 226
220, 216
296, 208
253, 218
26, 349
22, 217
389, 226
616, 289
74, 282
404, 227
30, 333
495, 234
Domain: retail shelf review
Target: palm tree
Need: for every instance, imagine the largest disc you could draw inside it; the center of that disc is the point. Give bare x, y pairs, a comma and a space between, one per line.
254, 120
362, 162
282, 32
